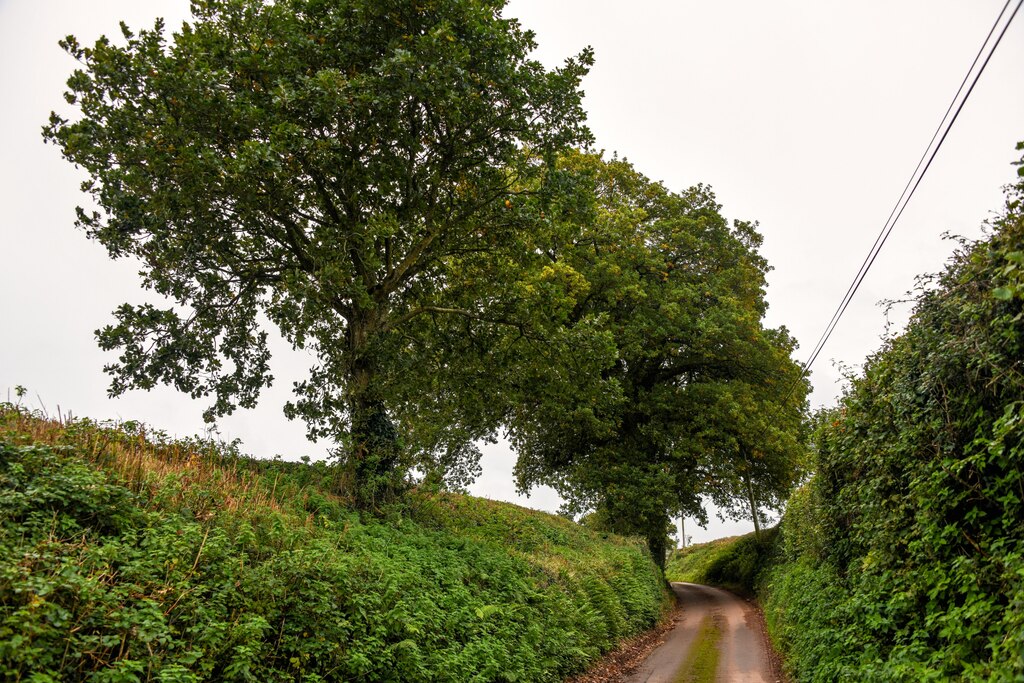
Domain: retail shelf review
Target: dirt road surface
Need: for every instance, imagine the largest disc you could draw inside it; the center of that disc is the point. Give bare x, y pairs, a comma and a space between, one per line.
744, 654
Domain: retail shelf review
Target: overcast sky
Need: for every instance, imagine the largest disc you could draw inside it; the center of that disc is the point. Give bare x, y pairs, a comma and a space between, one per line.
806, 116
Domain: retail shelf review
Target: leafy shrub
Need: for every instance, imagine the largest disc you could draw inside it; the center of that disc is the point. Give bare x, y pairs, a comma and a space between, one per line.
904, 556
804, 605
740, 567
734, 563
690, 564
173, 564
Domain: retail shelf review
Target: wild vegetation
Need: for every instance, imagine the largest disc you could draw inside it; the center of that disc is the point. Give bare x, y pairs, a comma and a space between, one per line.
397, 187
126, 556
902, 559
690, 564
736, 563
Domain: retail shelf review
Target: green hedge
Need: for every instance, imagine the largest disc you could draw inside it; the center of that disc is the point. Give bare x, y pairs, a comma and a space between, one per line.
904, 556
735, 563
104, 579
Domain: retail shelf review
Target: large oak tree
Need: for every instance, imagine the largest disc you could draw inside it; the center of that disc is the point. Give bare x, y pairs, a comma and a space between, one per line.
700, 399
346, 170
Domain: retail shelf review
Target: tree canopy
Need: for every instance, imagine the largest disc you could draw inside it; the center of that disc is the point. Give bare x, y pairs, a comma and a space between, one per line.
701, 398
346, 170
396, 187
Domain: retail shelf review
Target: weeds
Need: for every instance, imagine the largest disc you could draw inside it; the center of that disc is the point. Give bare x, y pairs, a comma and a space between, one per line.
128, 556
701, 663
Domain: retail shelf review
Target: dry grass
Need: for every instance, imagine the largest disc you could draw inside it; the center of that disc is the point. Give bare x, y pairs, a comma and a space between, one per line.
146, 461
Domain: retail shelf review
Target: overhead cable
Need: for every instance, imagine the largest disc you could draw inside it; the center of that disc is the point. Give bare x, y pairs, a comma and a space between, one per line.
945, 125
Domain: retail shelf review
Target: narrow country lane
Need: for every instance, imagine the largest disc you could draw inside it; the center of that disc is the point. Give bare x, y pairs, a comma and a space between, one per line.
713, 621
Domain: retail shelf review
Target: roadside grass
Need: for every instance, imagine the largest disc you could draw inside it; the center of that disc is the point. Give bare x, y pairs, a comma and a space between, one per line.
735, 563
691, 563
126, 555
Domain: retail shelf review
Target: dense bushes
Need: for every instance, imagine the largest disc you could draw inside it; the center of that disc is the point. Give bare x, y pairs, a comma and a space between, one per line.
904, 557
690, 564
208, 566
740, 568
735, 563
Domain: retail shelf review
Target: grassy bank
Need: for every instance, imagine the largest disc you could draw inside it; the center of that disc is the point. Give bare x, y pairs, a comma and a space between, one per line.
690, 564
132, 557
735, 563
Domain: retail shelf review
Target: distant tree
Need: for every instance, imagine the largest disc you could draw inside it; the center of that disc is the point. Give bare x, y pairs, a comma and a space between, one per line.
345, 170
756, 451
678, 294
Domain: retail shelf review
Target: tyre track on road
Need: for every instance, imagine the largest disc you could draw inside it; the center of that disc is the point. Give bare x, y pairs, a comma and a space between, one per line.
744, 654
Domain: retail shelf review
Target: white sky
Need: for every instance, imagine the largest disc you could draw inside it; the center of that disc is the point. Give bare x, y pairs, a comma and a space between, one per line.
807, 116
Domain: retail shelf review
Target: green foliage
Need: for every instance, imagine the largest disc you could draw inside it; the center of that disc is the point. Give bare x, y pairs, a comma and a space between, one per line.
690, 564
735, 563
807, 610
699, 398
164, 575
904, 555
344, 169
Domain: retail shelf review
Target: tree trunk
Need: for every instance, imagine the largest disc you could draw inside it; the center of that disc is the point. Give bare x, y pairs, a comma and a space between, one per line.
753, 506
656, 544
373, 453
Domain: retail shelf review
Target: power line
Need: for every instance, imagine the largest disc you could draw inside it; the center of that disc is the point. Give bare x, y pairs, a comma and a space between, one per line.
905, 197
878, 240
912, 185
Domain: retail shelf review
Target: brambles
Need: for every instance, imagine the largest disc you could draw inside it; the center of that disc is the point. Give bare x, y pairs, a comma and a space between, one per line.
904, 556
122, 559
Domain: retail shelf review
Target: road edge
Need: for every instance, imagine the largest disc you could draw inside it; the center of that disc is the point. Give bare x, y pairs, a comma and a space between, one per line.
630, 653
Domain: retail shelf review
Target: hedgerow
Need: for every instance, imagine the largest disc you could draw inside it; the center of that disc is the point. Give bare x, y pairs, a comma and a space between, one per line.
904, 556
735, 563
124, 558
